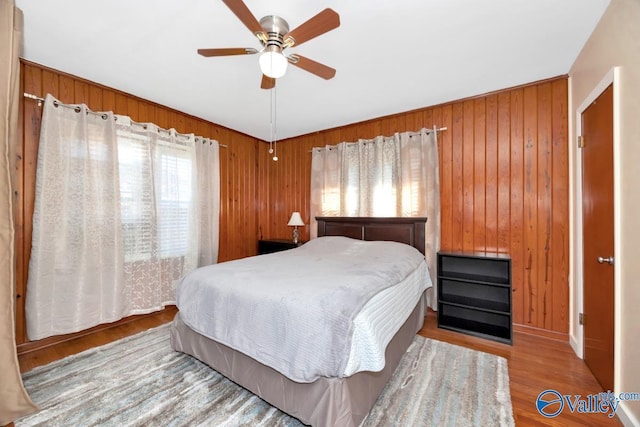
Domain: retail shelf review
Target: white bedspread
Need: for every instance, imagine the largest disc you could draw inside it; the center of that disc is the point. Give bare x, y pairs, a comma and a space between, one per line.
380, 319
296, 310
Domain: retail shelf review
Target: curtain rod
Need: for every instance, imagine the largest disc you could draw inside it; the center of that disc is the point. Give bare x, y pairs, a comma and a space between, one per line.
442, 129
41, 100
410, 134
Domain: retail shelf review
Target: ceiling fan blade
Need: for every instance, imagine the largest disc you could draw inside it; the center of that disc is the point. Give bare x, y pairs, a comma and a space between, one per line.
323, 22
227, 51
244, 14
312, 66
268, 82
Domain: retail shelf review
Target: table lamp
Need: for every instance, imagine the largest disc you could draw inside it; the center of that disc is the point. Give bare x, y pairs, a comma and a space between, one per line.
295, 221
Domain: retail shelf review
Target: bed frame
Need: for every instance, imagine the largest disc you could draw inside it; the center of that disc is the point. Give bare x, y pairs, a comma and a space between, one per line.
327, 401
409, 230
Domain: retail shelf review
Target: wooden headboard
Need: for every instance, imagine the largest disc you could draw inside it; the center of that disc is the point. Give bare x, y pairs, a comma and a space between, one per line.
409, 230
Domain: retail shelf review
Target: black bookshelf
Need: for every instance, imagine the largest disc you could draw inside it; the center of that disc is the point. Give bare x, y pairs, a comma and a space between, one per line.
474, 294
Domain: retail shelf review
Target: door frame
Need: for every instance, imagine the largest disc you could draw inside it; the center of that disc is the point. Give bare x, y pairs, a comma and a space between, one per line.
577, 290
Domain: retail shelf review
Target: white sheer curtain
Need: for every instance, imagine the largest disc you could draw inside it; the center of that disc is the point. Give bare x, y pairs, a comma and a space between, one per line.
116, 219
76, 271
381, 177
157, 203
208, 179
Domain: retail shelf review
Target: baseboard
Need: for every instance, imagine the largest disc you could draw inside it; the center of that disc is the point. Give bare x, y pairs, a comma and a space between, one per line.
559, 336
626, 417
573, 342
30, 346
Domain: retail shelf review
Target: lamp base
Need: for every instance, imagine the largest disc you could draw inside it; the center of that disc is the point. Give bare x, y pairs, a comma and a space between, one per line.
295, 235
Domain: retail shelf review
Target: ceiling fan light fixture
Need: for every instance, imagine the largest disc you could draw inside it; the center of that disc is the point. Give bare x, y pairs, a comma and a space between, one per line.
272, 62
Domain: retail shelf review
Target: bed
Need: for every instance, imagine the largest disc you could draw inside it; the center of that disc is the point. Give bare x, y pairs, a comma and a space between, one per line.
327, 391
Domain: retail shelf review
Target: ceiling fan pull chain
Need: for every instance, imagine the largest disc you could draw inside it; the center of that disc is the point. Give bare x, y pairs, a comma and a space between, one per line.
270, 122
275, 126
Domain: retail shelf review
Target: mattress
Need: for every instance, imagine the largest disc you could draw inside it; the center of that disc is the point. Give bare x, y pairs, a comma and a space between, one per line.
326, 402
343, 298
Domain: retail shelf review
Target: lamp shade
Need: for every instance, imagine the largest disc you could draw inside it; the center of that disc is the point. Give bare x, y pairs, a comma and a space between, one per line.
272, 62
295, 219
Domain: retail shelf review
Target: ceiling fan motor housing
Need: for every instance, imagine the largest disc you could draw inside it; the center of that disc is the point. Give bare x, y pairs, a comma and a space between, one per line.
276, 28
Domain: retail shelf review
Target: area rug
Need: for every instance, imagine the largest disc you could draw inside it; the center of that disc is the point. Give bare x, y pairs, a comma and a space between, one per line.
141, 381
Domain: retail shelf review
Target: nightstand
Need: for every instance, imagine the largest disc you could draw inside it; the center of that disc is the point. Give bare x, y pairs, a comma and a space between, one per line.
276, 245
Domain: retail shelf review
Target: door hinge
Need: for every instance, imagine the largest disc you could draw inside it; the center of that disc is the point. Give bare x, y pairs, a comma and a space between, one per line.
581, 318
580, 141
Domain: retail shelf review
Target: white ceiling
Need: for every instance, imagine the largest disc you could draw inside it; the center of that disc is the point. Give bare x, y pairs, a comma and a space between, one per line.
390, 56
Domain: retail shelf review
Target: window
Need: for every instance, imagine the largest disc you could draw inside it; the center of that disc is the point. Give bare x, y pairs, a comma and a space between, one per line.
115, 221
156, 196
174, 203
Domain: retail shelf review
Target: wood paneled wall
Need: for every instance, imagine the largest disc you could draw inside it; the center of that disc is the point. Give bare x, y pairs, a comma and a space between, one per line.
238, 213
504, 181
503, 174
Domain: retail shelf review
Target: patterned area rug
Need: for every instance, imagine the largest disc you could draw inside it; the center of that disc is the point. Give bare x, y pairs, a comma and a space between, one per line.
141, 381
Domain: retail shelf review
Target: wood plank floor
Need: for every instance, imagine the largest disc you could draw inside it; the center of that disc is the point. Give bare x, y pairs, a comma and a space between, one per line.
535, 364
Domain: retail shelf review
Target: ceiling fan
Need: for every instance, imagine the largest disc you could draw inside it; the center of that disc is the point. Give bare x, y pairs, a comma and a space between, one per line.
274, 35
